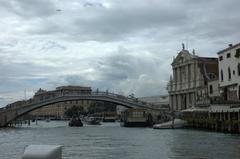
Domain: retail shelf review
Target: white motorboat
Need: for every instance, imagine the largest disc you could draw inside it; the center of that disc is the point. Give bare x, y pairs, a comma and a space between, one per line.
176, 124
92, 121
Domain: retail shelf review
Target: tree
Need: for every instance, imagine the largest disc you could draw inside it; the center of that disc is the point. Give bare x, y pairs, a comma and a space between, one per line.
99, 107
73, 111
96, 107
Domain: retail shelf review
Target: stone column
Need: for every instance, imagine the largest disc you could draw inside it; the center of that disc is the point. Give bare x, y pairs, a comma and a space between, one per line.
176, 104
174, 75
175, 79
187, 100
190, 99
194, 74
180, 102
189, 75
178, 79
186, 79
238, 121
193, 99
171, 102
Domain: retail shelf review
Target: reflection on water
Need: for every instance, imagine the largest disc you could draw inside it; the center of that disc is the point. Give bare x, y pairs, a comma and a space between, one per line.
112, 141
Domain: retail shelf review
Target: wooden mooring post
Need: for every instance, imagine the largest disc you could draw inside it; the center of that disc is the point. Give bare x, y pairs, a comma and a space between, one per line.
220, 121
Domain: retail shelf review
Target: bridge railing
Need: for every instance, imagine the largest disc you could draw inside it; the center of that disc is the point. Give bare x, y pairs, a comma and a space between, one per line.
126, 98
57, 95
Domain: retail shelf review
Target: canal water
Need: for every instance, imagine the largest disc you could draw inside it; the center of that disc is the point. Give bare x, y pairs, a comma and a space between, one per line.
110, 141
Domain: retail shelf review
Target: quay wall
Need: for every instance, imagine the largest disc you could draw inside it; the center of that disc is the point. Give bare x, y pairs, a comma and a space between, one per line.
227, 122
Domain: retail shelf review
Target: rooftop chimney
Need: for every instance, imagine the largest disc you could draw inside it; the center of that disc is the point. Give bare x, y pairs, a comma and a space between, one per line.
230, 45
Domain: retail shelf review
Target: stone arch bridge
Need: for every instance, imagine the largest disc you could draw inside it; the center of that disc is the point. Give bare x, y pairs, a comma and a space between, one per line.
13, 111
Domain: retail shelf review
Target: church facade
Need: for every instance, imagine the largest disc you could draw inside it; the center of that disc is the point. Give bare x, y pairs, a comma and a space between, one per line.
188, 86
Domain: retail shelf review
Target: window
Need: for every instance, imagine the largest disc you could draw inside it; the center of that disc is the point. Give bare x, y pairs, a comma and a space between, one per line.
238, 69
229, 73
220, 58
190, 98
222, 75
228, 55
237, 55
211, 76
233, 72
211, 89
239, 92
181, 60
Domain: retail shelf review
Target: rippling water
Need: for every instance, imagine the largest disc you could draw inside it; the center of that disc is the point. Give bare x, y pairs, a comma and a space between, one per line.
110, 141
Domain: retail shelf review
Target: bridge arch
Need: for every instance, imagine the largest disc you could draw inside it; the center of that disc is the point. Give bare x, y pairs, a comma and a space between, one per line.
11, 114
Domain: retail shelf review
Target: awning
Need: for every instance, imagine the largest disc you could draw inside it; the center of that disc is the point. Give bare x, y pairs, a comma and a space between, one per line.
195, 110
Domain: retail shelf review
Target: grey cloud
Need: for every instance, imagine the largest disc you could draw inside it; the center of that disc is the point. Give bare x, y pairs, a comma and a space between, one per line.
112, 23
124, 66
30, 8
155, 26
52, 45
89, 4
132, 70
79, 80
205, 19
117, 23
23, 69
74, 80
121, 72
211, 20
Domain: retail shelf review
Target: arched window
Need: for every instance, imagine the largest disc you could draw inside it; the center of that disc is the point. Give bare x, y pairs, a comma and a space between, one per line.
222, 75
229, 73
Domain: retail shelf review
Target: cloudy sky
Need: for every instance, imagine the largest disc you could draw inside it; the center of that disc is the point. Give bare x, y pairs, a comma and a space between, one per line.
125, 46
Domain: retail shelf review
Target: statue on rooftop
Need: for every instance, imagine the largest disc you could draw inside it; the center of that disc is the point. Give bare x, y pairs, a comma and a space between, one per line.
183, 46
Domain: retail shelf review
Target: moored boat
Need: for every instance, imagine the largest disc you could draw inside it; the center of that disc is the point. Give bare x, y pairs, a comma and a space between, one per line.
92, 121
109, 117
136, 118
176, 124
75, 122
47, 120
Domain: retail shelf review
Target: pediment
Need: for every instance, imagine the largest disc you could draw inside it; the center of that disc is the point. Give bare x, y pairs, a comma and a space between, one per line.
182, 56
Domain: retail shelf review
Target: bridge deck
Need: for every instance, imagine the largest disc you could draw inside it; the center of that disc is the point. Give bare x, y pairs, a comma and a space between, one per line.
12, 111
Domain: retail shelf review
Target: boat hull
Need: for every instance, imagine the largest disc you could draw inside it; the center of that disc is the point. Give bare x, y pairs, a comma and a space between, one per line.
177, 124
134, 124
75, 123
